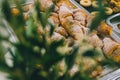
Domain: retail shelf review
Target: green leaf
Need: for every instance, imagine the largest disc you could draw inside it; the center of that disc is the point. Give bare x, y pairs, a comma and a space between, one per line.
110, 62
81, 76
69, 59
6, 10
52, 56
30, 27
4, 67
43, 16
52, 27
91, 53
99, 17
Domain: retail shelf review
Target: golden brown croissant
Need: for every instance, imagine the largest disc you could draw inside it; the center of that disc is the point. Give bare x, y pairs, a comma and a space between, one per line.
104, 30
109, 46
54, 19
56, 36
112, 49
45, 4
80, 16
95, 40
116, 54
74, 29
64, 12
62, 31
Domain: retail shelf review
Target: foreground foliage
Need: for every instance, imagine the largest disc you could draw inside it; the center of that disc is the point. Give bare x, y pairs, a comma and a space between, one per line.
36, 56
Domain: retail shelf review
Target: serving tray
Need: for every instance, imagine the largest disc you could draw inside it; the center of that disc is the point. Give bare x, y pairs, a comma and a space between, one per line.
108, 73
114, 21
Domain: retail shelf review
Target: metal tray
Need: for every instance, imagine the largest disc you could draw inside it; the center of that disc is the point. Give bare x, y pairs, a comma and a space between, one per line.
79, 6
113, 21
112, 76
108, 73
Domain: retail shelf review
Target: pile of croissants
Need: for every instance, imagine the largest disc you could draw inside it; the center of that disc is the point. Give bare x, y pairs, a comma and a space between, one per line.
70, 24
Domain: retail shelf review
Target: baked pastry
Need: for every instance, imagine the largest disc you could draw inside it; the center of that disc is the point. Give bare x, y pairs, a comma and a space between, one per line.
73, 29
109, 46
95, 4
108, 11
54, 19
95, 40
64, 12
104, 30
85, 3
61, 31
80, 15
112, 49
116, 54
45, 4
56, 36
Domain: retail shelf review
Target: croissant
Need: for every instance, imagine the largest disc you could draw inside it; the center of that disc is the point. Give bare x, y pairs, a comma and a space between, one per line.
56, 36
76, 32
73, 28
45, 4
64, 12
62, 31
104, 30
95, 40
116, 54
112, 49
109, 46
54, 19
80, 15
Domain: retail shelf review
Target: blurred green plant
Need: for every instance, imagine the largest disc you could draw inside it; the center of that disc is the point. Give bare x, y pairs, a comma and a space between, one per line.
99, 17
35, 56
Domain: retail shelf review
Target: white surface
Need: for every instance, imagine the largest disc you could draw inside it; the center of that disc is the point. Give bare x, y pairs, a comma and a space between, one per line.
3, 76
